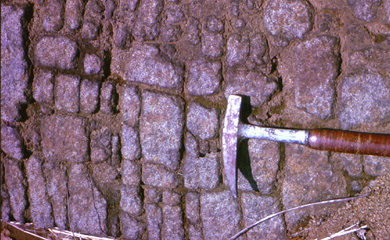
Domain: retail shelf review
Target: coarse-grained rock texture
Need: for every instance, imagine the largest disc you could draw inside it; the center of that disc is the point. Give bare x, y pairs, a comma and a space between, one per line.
311, 67
365, 98
14, 76
161, 128
145, 63
112, 115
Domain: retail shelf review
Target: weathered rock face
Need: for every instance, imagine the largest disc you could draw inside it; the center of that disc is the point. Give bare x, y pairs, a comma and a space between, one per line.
311, 68
204, 77
161, 128
146, 64
56, 52
256, 207
112, 114
365, 98
219, 211
64, 139
14, 76
250, 83
309, 178
286, 20
259, 171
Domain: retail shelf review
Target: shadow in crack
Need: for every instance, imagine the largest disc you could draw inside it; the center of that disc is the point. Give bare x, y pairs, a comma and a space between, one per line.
244, 164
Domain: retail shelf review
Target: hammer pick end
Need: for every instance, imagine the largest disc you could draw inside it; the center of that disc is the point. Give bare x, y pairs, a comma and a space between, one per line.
230, 139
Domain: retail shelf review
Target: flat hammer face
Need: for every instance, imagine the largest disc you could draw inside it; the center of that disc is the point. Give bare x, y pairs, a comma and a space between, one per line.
230, 138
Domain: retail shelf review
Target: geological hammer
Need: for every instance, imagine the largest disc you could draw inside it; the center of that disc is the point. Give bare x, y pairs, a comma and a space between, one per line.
322, 139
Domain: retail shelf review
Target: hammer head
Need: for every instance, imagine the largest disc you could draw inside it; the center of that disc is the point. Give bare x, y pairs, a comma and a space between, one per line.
230, 139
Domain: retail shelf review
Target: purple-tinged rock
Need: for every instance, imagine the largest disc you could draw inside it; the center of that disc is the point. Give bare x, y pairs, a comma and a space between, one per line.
67, 93
92, 64
73, 13
154, 220
11, 143
89, 96
287, 19
219, 211
212, 44
157, 176
100, 145
43, 86
144, 63
237, 50
264, 157
13, 64
192, 207
171, 198
130, 143
152, 194
214, 24
252, 84
56, 52
87, 207
365, 9
107, 101
147, 25
16, 189
130, 200
256, 207
129, 104
57, 189
172, 227
309, 177
364, 99
131, 173
312, 76
376, 166
192, 31
204, 77
161, 128
351, 163
51, 15
202, 122
90, 30
174, 15
202, 172
64, 138
131, 228
40, 207
171, 33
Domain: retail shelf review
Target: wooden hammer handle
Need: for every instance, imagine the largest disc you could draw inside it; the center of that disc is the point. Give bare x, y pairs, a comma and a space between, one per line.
350, 142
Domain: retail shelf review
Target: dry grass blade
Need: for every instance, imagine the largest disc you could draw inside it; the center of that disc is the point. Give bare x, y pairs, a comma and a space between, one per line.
293, 209
346, 231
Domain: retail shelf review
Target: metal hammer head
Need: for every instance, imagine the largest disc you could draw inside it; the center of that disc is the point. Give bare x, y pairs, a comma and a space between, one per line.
230, 139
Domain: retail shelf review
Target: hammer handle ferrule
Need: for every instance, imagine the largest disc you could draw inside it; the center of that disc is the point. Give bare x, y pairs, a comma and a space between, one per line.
350, 142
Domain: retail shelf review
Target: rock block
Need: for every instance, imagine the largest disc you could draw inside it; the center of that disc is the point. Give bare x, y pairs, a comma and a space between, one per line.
14, 77
204, 77
364, 99
219, 211
312, 67
144, 63
56, 52
67, 93
40, 207
309, 177
87, 206
250, 83
202, 122
64, 138
161, 128
256, 207
287, 19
